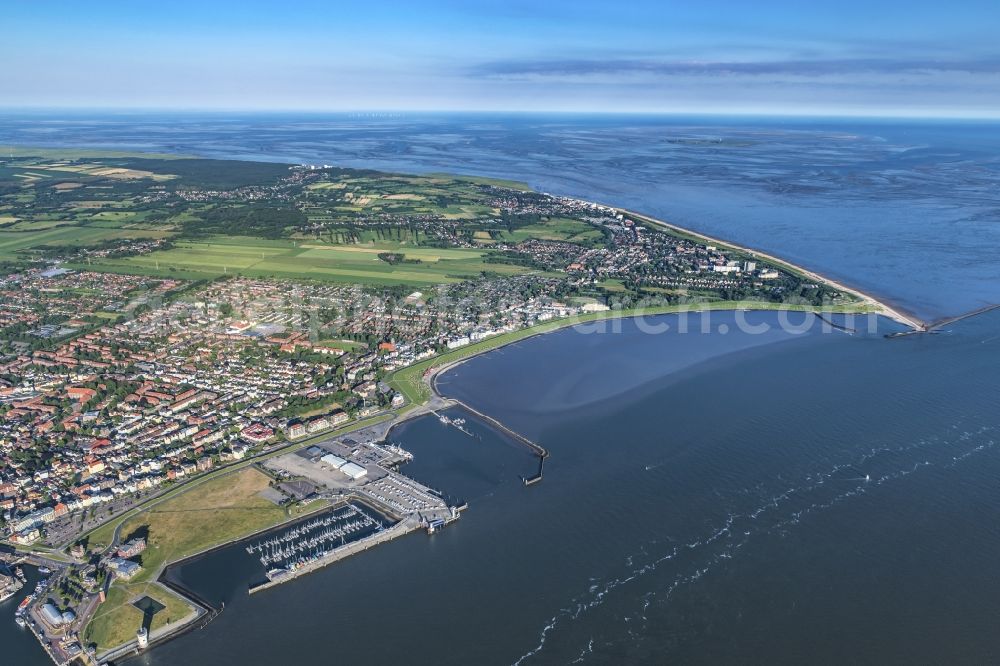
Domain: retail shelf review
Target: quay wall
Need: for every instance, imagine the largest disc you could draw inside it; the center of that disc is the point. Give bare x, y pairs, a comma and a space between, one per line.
397, 530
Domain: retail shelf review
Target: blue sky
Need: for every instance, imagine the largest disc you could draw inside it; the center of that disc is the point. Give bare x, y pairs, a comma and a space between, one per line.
877, 57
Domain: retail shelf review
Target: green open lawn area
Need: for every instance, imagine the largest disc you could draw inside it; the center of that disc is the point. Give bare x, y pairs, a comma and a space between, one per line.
117, 620
256, 257
452, 197
11, 242
39, 225
557, 229
346, 345
480, 180
219, 510
216, 511
219, 484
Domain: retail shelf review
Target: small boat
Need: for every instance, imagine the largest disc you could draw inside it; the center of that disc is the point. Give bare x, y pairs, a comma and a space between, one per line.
19, 573
45, 571
20, 621
868, 477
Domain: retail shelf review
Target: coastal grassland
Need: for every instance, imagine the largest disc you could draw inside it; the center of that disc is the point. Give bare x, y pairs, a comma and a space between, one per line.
555, 229
117, 620
211, 513
100, 538
342, 193
102, 170
206, 515
256, 257
483, 180
410, 380
14, 243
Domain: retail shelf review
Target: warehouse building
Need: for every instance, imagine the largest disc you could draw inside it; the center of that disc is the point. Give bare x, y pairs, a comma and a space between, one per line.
333, 461
354, 470
54, 618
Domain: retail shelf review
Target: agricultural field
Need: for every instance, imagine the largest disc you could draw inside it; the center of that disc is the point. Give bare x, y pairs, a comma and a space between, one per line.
102, 211
16, 245
257, 257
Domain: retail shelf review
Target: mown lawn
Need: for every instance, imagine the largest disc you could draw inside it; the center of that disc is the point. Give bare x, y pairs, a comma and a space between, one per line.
285, 259
117, 620
211, 513
215, 512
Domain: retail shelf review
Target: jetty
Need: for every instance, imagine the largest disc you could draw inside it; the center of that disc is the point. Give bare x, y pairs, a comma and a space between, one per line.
535, 448
941, 323
832, 324
937, 325
513, 434
401, 528
440, 401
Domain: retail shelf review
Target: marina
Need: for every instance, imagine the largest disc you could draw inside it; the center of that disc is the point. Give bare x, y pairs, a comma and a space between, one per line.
372, 503
457, 423
313, 540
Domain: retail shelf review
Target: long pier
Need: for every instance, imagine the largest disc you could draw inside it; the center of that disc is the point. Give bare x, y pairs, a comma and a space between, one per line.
535, 448
951, 320
941, 323
397, 530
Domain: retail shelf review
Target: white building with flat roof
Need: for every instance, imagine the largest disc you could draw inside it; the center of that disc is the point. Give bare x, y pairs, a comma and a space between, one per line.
354, 470
334, 461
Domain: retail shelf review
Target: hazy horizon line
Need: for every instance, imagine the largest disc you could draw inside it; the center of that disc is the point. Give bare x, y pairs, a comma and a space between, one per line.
806, 114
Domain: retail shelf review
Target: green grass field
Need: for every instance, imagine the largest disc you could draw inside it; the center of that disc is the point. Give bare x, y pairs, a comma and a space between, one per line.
214, 512
177, 526
557, 229
117, 620
256, 257
12, 242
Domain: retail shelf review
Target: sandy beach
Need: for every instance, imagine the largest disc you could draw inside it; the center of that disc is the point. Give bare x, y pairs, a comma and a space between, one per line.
881, 306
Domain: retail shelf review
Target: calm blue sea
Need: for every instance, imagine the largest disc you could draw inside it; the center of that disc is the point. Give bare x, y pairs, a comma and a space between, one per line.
783, 499
711, 498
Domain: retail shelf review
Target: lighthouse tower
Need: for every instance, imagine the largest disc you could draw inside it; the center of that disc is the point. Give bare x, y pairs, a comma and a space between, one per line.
143, 637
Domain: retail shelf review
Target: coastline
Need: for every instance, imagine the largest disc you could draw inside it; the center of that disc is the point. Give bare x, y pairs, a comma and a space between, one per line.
414, 409
892, 311
418, 382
